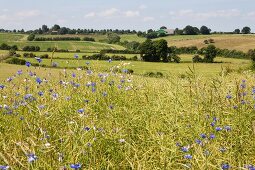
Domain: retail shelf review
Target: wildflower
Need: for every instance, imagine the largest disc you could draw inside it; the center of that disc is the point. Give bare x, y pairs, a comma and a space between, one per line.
38, 59
121, 140
223, 149
73, 75
110, 60
19, 72
235, 107
47, 145
76, 56
87, 128
225, 166
89, 144
104, 94
89, 72
178, 144
4, 167
38, 80
207, 153
75, 166
41, 106
212, 124
28, 64
40, 93
111, 107
212, 136
227, 128
229, 96
203, 135
218, 129
54, 64
81, 111
28, 96
243, 102
188, 156
199, 142
2, 86
185, 149
32, 158
87, 63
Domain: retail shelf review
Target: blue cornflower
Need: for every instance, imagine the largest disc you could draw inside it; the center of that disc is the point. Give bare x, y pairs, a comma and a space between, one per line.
38, 59
178, 144
213, 124
93, 89
28, 96
87, 128
110, 60
218, 129
89, 72
185, 149
229, 96
203, 135
199, 142
4, 167
73, 75
81, 111
188, 156
253, 90
212, 136
76, 56
243, 101
54, 64
243, 86
235, 107
111, 106
250, 167
19, 72
125, 70
227, 128
75, 166
223, 150
28, 64
225, 166
32, 158
104, 94
40, 93
38, 80
2, 86
87, 63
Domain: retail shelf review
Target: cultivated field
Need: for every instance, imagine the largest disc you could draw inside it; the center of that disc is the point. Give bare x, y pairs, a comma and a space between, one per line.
96, 119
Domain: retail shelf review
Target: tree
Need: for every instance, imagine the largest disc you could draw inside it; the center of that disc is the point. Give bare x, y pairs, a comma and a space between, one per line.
189, 30
246, 30
204, 30
113, 38
251, 54
45, 28
148, 51
55, 27
63, 31
161, 50
31, 37
163, 27
237, 31
150, 31
152, 35
210, 54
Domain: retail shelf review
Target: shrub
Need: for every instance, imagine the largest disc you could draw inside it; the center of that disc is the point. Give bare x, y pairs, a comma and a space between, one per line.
88, 39
44, 56
31, 48
206, 42
31, 37
176, 58
15, 60
28, 55
197, 59
152, 74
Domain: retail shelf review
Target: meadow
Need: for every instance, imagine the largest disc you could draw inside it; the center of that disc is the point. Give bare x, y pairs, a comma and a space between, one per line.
92, 119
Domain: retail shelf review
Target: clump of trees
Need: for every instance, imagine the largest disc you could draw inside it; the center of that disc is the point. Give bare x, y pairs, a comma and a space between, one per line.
31, 48
209, 53
157, 51
4, 46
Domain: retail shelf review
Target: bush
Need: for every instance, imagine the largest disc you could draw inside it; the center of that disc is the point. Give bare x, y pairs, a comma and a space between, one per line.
28, 55
4, 46
197, 59
31, 37
57, 39
44, 56
152, 74
31, 48
88, 39
77, 51
176, 58
15, 60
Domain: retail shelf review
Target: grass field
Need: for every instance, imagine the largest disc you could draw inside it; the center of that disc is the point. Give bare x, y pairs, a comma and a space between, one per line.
238, 42
53, 118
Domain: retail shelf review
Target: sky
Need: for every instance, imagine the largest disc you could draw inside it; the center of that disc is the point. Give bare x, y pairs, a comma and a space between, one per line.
219, 15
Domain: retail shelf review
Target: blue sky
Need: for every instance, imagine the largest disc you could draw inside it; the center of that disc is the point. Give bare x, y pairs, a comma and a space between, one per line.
219, 15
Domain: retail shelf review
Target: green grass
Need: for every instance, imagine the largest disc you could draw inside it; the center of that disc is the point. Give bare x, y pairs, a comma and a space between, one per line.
140, 67
133, 123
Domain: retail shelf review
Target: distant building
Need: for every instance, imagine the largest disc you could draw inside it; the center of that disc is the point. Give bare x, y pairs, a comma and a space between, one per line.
166, 31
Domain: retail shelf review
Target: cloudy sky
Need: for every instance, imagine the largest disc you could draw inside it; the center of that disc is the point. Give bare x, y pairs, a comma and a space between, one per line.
219, 15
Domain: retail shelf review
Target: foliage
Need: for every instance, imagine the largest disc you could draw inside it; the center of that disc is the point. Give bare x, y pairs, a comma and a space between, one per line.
31, 48
210, 54
113, 38
15, 60
4, 46
31, 37
246, 30
197, 59
189, 30
204, 30
57, 39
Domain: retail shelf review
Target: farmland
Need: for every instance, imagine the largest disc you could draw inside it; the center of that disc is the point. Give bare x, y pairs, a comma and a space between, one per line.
85, 114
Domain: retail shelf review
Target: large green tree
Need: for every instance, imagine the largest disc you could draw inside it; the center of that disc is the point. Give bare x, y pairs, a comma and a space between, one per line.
210, 54
148, 51
161, 50
204, 30
246, 30
113, 38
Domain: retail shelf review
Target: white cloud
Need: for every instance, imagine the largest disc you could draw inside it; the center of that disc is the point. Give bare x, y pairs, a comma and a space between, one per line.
132, 13
5, 10
89, 15
205, 15
3, 17
147, 19
142, 7
109, 12
27, 14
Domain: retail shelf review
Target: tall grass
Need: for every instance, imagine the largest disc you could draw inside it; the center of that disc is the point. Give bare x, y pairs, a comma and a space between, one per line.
120, 121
